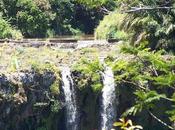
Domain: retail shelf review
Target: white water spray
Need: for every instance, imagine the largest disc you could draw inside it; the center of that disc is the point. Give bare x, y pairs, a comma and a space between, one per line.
70, 100
108, 110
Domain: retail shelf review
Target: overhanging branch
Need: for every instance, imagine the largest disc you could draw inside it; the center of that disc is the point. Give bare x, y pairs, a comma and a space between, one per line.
160, 121
136, 9
105, 10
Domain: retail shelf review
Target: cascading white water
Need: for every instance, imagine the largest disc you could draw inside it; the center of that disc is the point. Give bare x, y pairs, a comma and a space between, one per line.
70, 100
108, 110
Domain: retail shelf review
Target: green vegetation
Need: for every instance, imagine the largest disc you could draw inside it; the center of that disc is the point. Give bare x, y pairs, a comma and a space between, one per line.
47, 18
110, 27
144, 68
151, 21
127, 125
150, 74
7, 31
148, 67
90, 70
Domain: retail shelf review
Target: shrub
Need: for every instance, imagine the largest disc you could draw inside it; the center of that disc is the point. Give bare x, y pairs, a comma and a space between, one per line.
110, 27
151, 76
33, 17
90, 70
6, 31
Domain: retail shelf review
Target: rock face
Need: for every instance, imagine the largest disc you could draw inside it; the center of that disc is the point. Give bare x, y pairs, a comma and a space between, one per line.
27, 103
22, 96
89, 109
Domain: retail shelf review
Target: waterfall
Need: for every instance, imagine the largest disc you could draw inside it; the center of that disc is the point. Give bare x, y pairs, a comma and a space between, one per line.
108, 110
70, 100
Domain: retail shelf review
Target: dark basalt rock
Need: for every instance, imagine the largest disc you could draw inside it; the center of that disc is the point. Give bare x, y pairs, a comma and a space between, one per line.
19, 92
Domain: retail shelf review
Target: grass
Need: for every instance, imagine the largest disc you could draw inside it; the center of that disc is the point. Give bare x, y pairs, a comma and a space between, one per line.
17, 58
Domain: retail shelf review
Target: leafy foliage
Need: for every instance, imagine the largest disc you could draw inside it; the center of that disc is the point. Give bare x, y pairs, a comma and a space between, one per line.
155, 25
148, 20
91, 70
30, 15
44, 18
150, 74
93, 3
109, 27
6, 31
145, 100
127, 125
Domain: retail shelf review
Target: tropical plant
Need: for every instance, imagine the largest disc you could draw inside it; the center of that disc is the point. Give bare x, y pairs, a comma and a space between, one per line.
150, 74
91, 73
47, 18
110, 27
150, 20
29, 16
127, 125
7, 31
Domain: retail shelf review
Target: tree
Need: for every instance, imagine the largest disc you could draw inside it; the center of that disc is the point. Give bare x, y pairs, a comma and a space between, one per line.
42, 18
150, 74
152, 21
148, 20
7, 31
33, 17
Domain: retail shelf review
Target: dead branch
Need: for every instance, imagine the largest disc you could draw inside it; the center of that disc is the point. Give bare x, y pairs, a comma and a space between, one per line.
147, 8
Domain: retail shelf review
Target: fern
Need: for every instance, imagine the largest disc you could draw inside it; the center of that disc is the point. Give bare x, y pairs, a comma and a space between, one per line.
91, 69
145, 100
